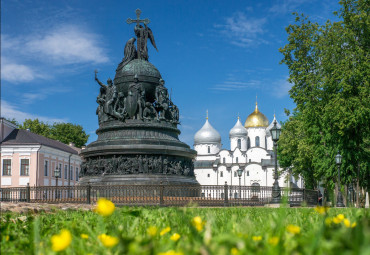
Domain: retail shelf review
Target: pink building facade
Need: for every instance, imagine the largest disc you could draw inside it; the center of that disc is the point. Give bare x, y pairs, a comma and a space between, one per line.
28, 158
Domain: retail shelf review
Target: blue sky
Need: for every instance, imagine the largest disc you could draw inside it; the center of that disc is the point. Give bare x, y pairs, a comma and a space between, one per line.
215, 55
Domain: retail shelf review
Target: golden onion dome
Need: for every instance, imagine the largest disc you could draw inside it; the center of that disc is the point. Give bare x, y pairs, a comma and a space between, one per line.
256, 119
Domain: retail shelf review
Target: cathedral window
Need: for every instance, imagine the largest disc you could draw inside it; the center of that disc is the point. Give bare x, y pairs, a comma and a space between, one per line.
209, 149
208, 175
221, 174
235, 174
224, 160
247, 173
265, 142
248, 143
257, 141
237, 160
239, 143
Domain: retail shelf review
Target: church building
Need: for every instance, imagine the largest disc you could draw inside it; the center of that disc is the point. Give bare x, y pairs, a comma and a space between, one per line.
251, 150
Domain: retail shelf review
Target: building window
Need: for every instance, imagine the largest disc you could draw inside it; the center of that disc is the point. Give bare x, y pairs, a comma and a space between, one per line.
237, 160
25, 167
265, 142
235, 174
224, 160
250, 160
247, 173
46, 168
257, 141
221, 174
65, 171
208, 175
209, 149
248, 143
76, 174
7, 167
60, 170
71, 173
239, 143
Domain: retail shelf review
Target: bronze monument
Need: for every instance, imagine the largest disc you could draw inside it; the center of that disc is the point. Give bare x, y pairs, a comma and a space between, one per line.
137, 136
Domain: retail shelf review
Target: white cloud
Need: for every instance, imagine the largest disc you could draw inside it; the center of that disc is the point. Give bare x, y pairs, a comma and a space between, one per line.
285, 6
10, 111
68, 44
243, 31
236, 85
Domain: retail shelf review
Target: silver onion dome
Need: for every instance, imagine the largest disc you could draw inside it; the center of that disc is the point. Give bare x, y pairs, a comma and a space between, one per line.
268, 133
238, 130
207, 134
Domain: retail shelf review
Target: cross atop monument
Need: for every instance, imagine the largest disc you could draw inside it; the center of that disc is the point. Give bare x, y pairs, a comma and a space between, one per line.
138, 20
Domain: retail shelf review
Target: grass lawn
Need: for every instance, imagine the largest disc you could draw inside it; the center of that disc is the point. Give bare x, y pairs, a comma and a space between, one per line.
189, 230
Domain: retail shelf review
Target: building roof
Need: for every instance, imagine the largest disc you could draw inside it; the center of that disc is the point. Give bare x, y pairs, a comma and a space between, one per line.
207, 135
24, 137
238, 130
256, 119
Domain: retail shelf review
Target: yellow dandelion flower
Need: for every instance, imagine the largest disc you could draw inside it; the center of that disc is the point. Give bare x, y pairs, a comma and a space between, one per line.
354, 224
234, 251
165, 231
152, 231
347, 223
84, 236
198, 223
171, 252
62, 241
273, 240
256, 238
175, 237
104, 207
108, 241
328, 221
7, 238
321, 209
293, 229
338, 219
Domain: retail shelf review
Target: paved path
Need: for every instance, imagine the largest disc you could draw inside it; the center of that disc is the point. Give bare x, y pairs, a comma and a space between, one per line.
42, 207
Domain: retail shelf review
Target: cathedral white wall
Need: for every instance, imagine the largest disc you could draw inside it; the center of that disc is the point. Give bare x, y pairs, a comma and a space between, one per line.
202, 149
256, 154
254, 132
234, 143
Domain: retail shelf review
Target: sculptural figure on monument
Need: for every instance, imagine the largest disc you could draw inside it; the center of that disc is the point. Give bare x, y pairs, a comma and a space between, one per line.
150, 112
143, 34
130, 53
162, 99
119, 107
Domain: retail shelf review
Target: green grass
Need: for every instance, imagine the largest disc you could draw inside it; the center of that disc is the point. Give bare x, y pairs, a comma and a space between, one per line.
226, 231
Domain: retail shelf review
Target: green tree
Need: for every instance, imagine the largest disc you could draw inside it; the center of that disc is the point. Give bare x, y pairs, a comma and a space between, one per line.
69, 133
36, 126
329, 69
63, 132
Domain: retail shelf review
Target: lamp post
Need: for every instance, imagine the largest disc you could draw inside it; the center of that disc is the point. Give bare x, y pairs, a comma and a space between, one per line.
276, 194
57, 175
338, 161
240, 173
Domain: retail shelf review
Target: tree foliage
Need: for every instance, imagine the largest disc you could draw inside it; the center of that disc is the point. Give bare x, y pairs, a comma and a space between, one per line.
329, 69
63, 132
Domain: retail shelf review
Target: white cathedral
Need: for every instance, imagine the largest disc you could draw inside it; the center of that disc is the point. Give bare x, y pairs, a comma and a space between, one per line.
251, 150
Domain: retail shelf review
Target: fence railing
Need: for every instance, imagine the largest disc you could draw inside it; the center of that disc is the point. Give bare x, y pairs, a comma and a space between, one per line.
160, 195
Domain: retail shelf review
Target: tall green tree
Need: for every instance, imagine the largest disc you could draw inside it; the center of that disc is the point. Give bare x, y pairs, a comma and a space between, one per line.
67, 132
36, 126
329, 69
63, 132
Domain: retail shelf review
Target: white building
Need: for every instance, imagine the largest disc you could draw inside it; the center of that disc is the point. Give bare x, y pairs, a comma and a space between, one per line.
251, 150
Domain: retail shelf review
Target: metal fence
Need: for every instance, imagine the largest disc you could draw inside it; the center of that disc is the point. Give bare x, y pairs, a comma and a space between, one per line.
159, 195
